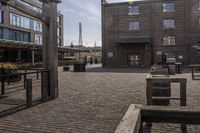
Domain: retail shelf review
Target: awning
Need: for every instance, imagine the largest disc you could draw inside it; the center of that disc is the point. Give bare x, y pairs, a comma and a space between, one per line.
133, 40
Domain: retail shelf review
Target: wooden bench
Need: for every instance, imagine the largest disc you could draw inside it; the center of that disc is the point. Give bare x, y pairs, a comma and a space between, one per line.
136, 115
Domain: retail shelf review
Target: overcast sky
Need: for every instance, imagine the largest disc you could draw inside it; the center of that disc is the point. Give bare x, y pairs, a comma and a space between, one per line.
88, 12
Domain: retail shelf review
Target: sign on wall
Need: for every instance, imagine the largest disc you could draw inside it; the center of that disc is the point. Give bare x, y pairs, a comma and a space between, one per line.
180, 57
110, 54
158, 53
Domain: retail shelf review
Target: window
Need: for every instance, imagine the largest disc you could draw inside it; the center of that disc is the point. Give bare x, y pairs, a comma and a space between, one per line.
26, 23
58, 32
134, 25
1, 14
134, 10
37, 26
59, 42
38, 39
169, 40
20, 21
169, 23
1, 33
168, 7
19, 35
199, 5
15, 20
59, 20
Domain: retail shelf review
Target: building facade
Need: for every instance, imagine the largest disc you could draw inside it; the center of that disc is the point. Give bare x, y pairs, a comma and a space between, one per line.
20, 27
140, 33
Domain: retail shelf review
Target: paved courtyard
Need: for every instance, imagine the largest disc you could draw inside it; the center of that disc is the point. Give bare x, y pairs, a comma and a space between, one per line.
95, 102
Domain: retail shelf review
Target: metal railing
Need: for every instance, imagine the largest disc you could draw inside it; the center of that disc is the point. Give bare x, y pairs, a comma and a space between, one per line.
22, 88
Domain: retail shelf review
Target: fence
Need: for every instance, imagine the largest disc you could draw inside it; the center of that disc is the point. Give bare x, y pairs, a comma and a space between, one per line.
22, 88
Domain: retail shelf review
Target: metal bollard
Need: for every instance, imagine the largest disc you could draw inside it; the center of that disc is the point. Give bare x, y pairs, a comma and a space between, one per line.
2, 82
37, 75
24, 81
28, 93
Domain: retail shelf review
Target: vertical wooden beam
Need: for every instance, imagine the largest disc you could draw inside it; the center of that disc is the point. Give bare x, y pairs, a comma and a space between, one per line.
28, 93
183, 92
50, 50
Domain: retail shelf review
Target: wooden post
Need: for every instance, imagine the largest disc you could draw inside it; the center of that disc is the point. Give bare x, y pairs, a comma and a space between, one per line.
28, 93
33, 57
50, 50
2, 82
192, 69
183, 92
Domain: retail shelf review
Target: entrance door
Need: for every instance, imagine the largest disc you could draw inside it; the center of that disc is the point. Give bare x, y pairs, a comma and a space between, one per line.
134, 60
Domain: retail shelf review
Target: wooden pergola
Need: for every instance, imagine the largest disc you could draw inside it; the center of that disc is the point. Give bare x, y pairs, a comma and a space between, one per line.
49, 47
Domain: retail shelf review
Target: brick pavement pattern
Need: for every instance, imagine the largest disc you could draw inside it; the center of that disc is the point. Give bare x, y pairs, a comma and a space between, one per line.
94, 102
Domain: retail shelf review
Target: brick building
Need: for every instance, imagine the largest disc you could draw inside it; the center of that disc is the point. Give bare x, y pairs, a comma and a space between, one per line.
21, 34
139, 33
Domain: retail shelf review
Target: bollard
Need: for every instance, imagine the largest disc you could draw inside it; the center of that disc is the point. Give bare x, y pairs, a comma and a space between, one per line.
37, 75
28, 93
2, 82
25, 81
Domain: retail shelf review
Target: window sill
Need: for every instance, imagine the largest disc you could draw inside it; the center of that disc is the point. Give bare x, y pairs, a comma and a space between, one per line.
131, 14
168, 28
169, 45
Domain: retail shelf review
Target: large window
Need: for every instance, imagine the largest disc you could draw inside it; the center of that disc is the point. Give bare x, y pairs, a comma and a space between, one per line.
15, 20
20, 21
169, 40
134, 10
19, 35
168, 7
169, 23
59, 42
1, 14
199, 4
38, 39
37, 26
59, 32
135, 25
1, 33
59, 20
26, 23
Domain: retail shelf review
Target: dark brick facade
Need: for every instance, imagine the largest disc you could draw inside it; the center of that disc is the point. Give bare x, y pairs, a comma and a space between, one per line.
115, 25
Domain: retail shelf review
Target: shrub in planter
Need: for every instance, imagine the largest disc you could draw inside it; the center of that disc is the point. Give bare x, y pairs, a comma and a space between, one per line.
95, 60
9, 69
91, 60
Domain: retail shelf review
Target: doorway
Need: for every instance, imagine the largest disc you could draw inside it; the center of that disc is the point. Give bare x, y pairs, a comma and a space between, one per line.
134, 60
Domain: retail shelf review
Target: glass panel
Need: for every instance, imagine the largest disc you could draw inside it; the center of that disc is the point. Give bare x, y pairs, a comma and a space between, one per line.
169, 7
169, 23
38, 39
134, 10
134, 25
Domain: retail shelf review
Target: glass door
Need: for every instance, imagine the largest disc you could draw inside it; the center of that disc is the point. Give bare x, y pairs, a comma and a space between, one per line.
134, 60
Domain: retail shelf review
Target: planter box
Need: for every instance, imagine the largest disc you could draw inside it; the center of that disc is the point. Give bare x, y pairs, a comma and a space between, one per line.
79, 67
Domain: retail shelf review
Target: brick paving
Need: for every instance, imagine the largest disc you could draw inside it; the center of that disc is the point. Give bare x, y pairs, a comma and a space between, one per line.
94, 102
